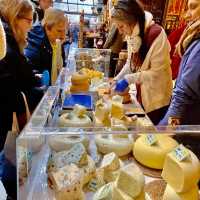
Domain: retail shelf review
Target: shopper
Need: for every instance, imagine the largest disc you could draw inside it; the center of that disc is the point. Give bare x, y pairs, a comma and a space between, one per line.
40, 9
15, 76
2, 42
185, 105
148, 63
114, 42
42, 51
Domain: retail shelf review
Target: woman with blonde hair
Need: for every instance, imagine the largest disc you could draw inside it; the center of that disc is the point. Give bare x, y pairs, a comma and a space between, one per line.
15, 74
148, 64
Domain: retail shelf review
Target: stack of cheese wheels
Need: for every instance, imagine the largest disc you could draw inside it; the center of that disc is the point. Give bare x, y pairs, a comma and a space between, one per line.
128, 186
181, 175
80, 82
153, 154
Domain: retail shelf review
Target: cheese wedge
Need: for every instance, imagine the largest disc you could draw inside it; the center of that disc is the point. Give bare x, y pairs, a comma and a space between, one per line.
153, 156
170, 194
181, 175
120, 195
117, 110
131, 180
104, 193
110, 162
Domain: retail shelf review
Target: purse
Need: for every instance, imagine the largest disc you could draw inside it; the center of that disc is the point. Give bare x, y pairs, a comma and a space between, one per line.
10, 143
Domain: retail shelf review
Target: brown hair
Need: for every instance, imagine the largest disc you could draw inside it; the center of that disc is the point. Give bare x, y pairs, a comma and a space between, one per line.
131, 11
11, 11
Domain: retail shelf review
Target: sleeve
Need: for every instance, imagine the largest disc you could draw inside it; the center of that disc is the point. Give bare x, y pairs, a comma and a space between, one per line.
2, 42
187, 90
159, 61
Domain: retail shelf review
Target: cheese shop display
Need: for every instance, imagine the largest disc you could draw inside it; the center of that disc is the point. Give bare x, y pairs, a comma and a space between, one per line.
151, 149
192, 194
181, 175
77, 118
89, 147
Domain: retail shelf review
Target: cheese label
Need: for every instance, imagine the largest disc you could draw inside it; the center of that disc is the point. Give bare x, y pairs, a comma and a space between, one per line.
180, 153
151, 139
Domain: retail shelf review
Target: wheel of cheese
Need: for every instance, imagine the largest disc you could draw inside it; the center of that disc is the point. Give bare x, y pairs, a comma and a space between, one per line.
79, 78
65, 142
181, 175
72, 120
153, 156
170, 194
108, 143
79, 88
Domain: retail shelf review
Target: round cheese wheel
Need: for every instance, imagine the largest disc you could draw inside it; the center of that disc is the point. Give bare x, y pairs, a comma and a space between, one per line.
181, 175
153, 156
170, 194
79, 88
65, 142
108, 143
79, 78
72, 120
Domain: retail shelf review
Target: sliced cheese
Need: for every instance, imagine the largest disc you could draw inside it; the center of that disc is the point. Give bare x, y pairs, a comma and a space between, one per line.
170, 194
77, 155
181, 175
131, 180
153, 156
67, 182
110, 162
104, 193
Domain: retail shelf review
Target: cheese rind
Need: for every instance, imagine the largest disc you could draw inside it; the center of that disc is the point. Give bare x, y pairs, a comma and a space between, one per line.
153, 156
170, 194
181, 175
110, 162
131, 180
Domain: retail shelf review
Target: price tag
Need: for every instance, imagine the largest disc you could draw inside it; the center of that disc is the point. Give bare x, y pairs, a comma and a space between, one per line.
180, 153
151, 139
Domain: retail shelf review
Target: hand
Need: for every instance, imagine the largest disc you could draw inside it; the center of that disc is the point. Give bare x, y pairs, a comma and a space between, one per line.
174, 121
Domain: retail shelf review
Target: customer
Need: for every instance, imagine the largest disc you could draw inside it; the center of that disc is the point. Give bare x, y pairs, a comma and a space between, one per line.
2, 42
40, 9
15, 74
42, 50
148, 63
114, 42
185, 105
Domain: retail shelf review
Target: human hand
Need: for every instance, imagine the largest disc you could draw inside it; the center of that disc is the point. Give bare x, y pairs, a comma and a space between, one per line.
174, 121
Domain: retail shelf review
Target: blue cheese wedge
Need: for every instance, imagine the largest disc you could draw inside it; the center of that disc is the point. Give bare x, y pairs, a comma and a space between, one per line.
77, 155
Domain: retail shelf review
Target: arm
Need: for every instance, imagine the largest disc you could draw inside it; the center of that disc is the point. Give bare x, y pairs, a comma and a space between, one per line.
2, 42
187, 90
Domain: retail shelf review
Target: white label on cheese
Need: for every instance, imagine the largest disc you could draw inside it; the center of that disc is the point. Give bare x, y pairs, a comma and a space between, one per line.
180, 153
151, 139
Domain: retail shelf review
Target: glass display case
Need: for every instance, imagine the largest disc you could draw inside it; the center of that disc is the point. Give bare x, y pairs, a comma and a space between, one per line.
96, 59
45, 155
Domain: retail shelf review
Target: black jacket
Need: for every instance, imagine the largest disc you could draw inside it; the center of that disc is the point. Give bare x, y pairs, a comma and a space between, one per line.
39, 51
15, 75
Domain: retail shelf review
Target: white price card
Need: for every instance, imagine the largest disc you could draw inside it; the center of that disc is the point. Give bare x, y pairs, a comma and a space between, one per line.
151, 139
180, 153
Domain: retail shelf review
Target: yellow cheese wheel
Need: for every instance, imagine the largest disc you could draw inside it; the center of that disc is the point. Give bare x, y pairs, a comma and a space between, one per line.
170, 194
153, 156
79, 78
181, 175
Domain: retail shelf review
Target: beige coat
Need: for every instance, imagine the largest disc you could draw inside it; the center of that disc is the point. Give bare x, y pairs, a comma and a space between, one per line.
155, 75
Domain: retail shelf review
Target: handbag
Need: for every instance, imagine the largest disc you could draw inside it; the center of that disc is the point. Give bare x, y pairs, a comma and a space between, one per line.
10, 143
